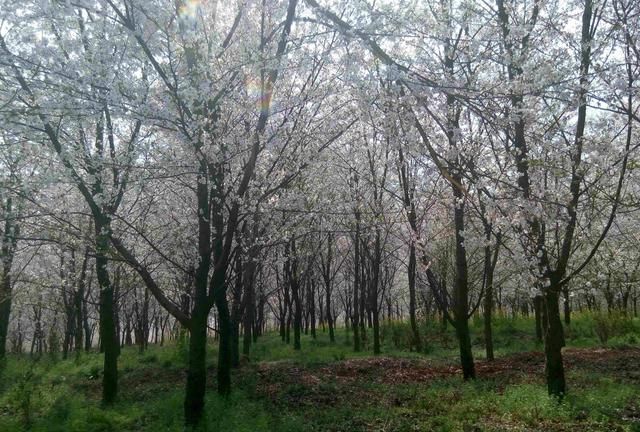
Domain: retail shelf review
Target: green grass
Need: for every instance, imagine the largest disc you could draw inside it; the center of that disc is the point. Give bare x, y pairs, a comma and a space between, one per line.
280, 389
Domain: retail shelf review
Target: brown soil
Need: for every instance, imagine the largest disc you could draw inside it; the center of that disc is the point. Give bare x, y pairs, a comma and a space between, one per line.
287, 382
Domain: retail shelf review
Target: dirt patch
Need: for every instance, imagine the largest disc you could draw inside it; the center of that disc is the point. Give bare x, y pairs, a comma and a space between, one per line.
343, 380
620, 363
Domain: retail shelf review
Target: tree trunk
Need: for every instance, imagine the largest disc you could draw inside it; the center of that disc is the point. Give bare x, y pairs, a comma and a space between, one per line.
5, 311
236, 315
312, 306
108, 334
488, 311
9, 241
77, 301
461, 291
356, 286
326, 275
567, 306
490, 265
196, 372
249, 300
416, 341
224, 332
553, 343
537, 306
297, 319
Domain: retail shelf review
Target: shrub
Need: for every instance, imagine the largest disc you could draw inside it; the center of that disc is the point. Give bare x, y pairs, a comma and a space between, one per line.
611, 325
94, 372
150, 358
21, 398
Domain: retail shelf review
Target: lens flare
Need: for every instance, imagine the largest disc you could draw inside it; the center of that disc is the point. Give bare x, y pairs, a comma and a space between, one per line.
253, 87
189, 9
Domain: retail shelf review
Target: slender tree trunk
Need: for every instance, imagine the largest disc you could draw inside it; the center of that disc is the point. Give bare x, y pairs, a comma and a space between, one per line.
490, 265
416, 340
297, 319
283, 322
329, 316
488, 311
196, 371
77, 303
108, 334
236, 315
461, 291
9, 241
293, 281
312, 306
5, 311
537, 306
356, 285
326, 275
249, 305
567, 306
224, 331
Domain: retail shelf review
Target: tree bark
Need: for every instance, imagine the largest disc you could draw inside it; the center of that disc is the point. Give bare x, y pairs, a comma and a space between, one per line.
537, 306
567, 306
196, 371
224, 331
461, 291
9, 242
553, 343
108, 334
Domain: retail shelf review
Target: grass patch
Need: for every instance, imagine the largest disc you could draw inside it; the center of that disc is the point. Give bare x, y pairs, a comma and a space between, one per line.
328, 387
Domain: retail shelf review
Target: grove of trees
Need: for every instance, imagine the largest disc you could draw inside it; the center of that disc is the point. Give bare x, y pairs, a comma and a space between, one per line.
197, 170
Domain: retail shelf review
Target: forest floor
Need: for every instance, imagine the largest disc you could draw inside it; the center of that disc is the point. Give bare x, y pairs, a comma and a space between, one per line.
328, 387
414, 394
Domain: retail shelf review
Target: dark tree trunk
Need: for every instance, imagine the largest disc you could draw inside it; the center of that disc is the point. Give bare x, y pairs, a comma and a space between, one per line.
553, 343
356, 285
236, 314
196, 371
374, 292
461, 291
297, 319
5, 311
258, 316
224, 331
567, 306
78, 300
537, 306
108, 335
249, 311
9, 242
293, 281
416, 340
409, 205
490, 265
327, 277
312, 306
488, 311
329, 317
283, 321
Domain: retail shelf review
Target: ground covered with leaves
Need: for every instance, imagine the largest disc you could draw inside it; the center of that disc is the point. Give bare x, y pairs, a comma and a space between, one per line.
327, 387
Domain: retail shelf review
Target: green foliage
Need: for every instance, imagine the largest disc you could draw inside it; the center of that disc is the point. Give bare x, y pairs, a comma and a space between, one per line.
613, 324
21, 399
149, 358
54, 344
